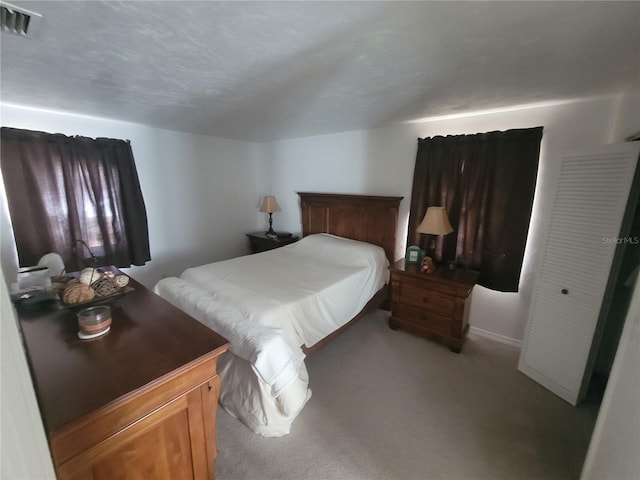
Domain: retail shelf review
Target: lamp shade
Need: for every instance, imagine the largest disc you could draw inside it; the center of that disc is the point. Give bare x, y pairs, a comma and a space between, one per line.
435, 222
269, 204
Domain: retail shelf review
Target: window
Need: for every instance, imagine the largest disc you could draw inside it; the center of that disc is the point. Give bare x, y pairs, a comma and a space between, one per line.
486, 183
72, 194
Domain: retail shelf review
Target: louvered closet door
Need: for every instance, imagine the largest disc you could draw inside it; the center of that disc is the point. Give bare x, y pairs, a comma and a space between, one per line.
589, 206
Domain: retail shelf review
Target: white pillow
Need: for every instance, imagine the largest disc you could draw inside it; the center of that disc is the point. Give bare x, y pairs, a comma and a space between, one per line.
339, 250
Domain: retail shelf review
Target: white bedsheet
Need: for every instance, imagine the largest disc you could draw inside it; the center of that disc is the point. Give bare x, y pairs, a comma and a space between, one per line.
270, 304
264, 347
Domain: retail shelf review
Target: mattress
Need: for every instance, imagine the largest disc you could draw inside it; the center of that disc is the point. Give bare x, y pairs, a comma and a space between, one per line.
270, 304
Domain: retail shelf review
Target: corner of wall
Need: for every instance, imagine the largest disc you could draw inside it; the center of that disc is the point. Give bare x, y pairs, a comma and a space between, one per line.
626, 120
8, 255
24, 452
613, 451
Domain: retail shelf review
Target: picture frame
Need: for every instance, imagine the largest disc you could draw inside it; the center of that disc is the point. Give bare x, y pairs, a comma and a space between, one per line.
413, 255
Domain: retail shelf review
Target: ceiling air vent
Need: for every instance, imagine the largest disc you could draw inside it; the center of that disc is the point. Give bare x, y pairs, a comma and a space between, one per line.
17, 20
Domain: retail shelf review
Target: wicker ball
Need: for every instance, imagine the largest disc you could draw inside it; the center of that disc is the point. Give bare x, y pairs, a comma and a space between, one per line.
104, 287
71, 282
77, 293
89, 276
59, 283
121, 280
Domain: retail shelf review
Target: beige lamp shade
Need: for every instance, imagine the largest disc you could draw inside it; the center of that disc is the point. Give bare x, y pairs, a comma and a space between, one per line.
269, 204
435, 222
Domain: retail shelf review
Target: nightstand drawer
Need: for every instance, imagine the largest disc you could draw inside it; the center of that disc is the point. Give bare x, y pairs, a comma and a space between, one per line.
426, 299
429, 282
423, 320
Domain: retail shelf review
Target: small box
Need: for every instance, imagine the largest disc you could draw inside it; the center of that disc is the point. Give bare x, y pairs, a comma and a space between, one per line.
29, 277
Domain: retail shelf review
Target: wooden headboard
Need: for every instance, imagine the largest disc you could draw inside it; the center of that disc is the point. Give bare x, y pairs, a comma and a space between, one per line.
367, 218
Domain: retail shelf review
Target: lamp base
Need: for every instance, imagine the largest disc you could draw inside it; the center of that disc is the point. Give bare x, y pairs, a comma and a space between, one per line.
271, 233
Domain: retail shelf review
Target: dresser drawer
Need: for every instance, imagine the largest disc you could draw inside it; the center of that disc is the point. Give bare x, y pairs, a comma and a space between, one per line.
425, 299
422, 320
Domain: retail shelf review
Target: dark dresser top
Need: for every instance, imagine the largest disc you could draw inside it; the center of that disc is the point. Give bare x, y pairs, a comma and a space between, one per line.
149, 338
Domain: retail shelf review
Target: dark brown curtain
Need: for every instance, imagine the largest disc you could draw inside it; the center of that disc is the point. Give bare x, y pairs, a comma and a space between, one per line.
486, 183
63, 191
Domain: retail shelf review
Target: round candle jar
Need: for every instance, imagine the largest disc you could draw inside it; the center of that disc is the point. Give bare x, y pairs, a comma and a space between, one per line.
94, 320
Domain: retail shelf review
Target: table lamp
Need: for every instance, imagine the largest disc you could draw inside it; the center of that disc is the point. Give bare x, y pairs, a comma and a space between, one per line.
435, 222
270, 206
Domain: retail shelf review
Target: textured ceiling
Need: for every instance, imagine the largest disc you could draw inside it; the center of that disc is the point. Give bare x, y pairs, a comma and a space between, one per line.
261, 71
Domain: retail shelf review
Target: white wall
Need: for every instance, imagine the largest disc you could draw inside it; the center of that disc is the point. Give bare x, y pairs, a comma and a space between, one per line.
614, 447
24, 453
200, 192
381, 161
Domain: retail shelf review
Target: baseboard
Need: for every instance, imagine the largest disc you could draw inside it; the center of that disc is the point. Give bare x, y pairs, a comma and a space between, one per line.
494, 336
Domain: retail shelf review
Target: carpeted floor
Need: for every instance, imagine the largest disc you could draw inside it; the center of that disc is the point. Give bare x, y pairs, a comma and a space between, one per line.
390, 405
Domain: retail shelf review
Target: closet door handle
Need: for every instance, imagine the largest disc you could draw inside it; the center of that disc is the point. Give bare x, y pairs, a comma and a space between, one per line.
564, 291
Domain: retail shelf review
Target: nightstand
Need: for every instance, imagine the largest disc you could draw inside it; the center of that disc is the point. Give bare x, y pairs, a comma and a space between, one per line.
433, 305
259, 242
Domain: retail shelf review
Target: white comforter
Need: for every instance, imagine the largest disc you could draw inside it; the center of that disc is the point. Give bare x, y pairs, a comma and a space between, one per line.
270, 304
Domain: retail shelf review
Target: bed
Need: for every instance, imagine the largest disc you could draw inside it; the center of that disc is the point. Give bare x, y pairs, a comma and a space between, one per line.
279, 306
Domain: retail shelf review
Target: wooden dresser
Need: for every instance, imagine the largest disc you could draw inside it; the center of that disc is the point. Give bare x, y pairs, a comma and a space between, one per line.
434, 305
139, 402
